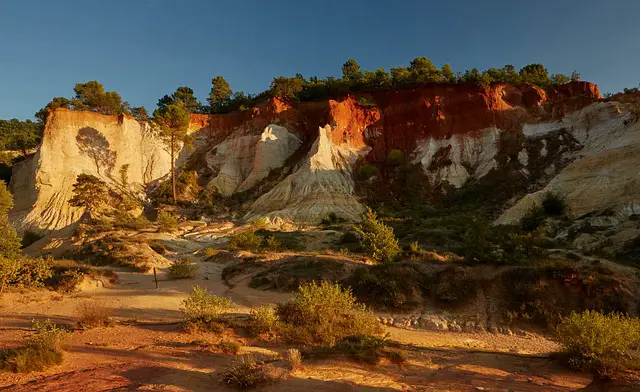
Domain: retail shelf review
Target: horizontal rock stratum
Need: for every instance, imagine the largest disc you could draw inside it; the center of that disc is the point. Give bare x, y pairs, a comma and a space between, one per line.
455, 132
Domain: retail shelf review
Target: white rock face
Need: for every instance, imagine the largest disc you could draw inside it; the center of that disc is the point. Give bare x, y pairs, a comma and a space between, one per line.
242, 161
604, 174
77, 142
322, 184
470, 155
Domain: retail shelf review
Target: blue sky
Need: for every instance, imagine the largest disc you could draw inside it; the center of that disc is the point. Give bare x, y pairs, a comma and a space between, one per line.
147, 48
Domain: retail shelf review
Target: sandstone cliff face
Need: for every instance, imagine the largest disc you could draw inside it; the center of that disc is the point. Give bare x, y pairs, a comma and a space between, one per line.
603, 174
77, 142
454, 131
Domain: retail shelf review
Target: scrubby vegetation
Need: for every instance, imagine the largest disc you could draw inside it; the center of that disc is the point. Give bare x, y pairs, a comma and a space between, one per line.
228, 347
323, 313
378, 239
297, 270
41, 350
183, 268
600, 342
201, 309
246, 372
263, 320
166, 222
94, 314
246, 240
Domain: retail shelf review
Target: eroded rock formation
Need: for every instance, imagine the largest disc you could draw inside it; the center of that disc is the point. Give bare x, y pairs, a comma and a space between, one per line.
78, 142
455, 132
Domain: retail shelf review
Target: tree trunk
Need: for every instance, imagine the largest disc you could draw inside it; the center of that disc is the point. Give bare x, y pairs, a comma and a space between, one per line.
173, 168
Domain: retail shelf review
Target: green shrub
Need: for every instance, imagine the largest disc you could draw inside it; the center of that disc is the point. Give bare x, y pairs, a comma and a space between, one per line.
487, 244
203, 306
366, 102
245, 373
395, 158
554, 205
127, 221
29, 237
166, 222
323, 314
331, 219
378, 240
389, 286
272, 244
349, 237
533, 219
25, 272
367, 171
246, 240
183, 268
41, 350
260, 223
229, 347
263, 320
596, 341
210, 252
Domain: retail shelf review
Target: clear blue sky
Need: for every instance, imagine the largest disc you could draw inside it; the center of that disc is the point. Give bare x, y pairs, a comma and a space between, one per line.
147, 48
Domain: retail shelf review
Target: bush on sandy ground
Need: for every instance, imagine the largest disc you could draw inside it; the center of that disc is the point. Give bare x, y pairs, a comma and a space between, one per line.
246, 372
229, 347
323, 313
263, 320
294, 359
183, 268
246, 240
41, 351
595, 341
94, 314
377, 239
202, 308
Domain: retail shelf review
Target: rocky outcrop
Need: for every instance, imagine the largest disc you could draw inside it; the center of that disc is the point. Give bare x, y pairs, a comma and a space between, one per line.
76, 142
603, 172
453, 131
323, 184
240, 162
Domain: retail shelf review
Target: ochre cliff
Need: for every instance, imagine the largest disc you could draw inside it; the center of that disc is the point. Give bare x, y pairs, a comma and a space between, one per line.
76, 142
318, 143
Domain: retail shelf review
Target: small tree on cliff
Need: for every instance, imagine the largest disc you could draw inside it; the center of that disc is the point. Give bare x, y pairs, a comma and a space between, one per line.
172, 122
89, 192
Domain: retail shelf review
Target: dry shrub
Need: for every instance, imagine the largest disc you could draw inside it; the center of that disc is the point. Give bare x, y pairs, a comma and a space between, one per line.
94, 314
229, 347
246, 372
294, 359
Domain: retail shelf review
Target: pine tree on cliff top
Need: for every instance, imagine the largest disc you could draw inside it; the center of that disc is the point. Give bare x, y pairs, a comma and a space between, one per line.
220, 93
172, 123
